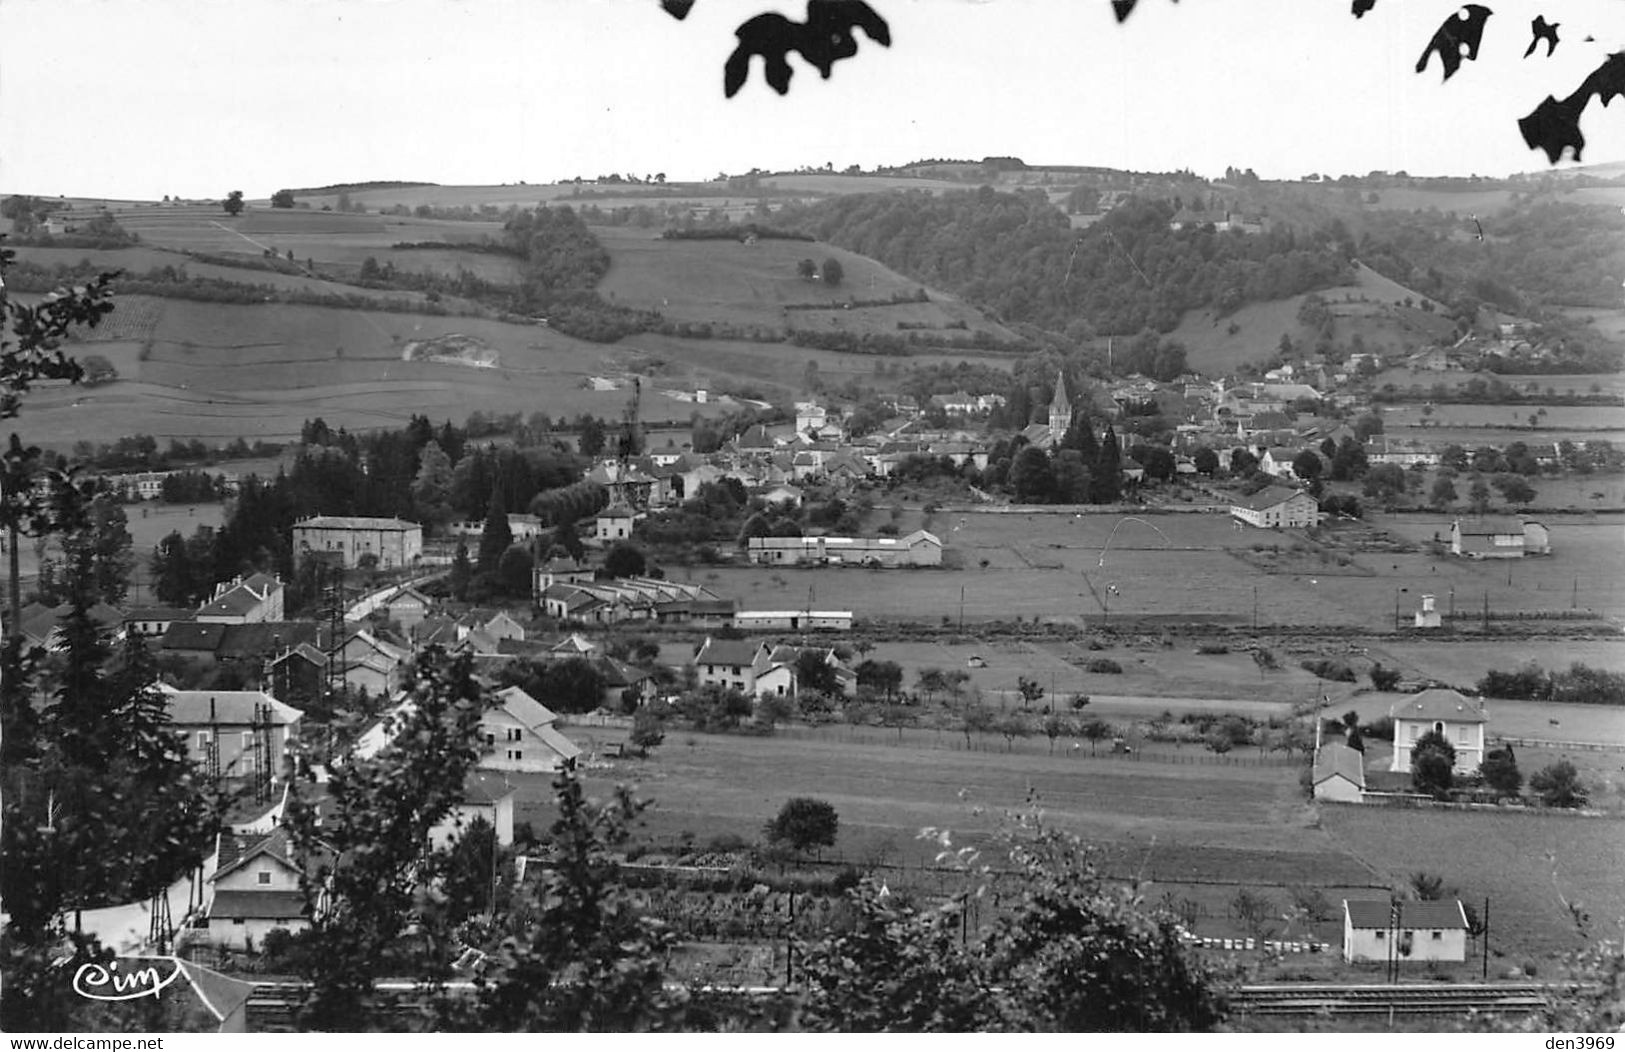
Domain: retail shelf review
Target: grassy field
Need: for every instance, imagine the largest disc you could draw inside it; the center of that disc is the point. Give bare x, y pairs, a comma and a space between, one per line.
1190, 567
218, 371
149, 523
1528, 865
729, 282
1215, 350
1226, 822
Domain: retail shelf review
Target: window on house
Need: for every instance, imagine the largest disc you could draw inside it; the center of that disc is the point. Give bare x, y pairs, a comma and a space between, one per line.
202, 739
264, 877
516, 754
1381, 935
238, 921
1438, 936
1415, 733
1461, 735
515, 734
490, 739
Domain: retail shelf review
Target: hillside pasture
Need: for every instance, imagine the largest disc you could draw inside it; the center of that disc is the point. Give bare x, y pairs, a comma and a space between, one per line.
725, 363
218, 371
1527, 863
325, 237
1371, 305
730, 282
1610, 420
1610, 323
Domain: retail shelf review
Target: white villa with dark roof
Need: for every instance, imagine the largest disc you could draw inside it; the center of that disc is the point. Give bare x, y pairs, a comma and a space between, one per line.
1458, 718
347, 539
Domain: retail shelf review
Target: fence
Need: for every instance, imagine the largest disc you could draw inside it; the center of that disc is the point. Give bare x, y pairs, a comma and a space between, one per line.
1547, 743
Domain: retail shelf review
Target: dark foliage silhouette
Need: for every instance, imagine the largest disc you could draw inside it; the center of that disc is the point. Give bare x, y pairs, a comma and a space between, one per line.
823, 39
1459, 33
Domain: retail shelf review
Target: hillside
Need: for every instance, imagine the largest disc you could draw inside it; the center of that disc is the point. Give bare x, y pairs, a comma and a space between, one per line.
1371, 307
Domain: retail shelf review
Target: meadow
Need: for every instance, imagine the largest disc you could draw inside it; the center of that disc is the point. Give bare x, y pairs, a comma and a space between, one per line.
1215, 350
1528, 864
216, 371
727, 282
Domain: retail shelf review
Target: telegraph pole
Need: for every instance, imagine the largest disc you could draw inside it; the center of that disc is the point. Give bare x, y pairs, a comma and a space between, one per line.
1486, 972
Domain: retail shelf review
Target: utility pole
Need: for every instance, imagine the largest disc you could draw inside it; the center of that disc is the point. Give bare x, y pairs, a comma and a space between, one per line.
1486, 610
961, 609
1255, 609
1486, 972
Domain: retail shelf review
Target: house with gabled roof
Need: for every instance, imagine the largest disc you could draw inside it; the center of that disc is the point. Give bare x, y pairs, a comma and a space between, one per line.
1338, 773
1461, 720
244, 601
614, 523
520, 735
1380, 930
779, 675
224, 725
256, 888
150, 622
731, 663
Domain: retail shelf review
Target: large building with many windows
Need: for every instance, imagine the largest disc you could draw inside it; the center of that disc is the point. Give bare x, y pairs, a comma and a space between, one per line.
348, 539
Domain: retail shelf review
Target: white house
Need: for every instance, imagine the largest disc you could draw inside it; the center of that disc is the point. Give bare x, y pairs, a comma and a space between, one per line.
1277, 506
520, 735
1339, 773
256, 889
1421, 931
731, 663
1459, 719
614, 523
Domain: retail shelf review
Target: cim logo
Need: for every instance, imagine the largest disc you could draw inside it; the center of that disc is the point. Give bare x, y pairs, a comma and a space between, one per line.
106, 982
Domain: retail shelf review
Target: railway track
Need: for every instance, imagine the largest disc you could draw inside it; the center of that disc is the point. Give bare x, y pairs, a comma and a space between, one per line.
1407, 1000
271, 1007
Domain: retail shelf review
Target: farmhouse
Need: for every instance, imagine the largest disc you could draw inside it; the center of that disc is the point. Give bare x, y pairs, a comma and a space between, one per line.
347, 539
730, 663
1499, 538
1339, 774
1459, 719
519, 736
779, 675
1421, 931
614, 523
486, 796
1276, 506
920, 548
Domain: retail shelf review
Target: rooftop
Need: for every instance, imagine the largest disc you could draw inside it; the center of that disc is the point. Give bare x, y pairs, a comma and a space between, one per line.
1446, 914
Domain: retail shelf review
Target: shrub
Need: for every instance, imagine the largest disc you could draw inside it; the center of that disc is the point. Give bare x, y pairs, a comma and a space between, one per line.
1558, 785
1212, 648
1385, 679
1330, 668
1103, 665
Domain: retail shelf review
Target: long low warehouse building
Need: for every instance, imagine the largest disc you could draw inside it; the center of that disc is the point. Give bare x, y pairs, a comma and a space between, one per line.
920, 548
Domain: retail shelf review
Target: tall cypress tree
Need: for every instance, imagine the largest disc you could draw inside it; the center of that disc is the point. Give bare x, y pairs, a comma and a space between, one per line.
1106, 481
497, 537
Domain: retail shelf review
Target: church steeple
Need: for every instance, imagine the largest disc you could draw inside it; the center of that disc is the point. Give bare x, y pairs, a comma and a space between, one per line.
1060, 408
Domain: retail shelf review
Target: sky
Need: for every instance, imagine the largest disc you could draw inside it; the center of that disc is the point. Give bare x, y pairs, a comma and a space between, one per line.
142, 98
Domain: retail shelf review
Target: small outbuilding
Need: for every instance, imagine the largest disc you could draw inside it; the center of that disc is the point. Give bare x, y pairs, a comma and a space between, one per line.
1339, 774
1411, 931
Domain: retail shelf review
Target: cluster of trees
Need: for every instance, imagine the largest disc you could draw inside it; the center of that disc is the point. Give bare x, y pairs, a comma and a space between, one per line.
1433, 760
1082, 470
1017, 255
1580, 685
